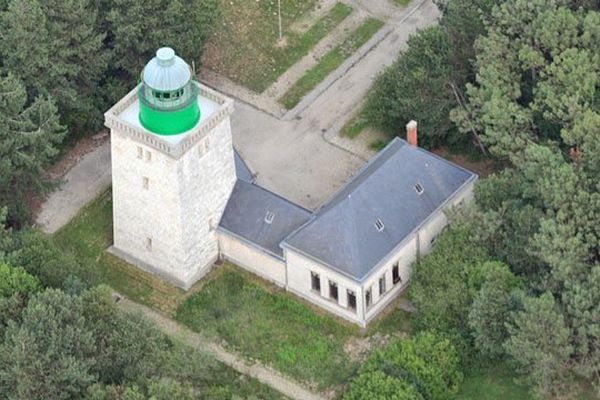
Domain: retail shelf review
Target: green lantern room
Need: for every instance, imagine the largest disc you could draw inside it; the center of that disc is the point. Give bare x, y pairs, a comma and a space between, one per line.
168, 95
169, 104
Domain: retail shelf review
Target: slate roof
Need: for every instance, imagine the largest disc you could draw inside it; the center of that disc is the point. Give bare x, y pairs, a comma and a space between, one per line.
241, 168
343, 233
246, 213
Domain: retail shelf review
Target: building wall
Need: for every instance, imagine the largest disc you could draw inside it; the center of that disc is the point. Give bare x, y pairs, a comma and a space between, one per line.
180, 207
252, 259
299, 268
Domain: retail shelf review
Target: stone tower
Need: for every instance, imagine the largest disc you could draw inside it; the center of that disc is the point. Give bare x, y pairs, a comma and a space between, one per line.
172, 171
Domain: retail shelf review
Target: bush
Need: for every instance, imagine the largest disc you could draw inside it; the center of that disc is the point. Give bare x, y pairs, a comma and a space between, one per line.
379, 386
425, 367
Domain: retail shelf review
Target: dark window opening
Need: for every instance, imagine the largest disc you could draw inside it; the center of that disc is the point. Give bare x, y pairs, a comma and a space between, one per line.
167, 95
419, 188
382, 287
315, 282
351, 300
368, 298
333, 290
396, 274
379, 225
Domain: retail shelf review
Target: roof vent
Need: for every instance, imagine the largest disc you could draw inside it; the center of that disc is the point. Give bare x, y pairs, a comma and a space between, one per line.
379, 225
419, 188
269, 217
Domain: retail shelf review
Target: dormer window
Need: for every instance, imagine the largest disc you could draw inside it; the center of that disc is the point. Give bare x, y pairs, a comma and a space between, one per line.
269, 217
379, 225
419, 188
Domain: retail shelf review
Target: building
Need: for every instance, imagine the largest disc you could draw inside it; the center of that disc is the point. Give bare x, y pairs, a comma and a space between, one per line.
184, 198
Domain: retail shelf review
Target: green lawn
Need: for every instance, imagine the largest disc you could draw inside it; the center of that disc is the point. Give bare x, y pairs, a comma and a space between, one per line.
492, 384
245, 45
330, 62
269, 325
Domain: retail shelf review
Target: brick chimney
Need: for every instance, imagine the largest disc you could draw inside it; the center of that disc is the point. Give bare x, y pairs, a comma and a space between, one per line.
411, 133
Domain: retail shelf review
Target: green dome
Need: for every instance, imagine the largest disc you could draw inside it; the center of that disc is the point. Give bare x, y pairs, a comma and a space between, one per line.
168, 95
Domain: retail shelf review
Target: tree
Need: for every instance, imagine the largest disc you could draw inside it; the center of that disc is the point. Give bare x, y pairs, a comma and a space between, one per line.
56, 48
137, 28
428, 362
491, 308
379, 386
539, 342
28, 141
417, 86
16, 286
50, 353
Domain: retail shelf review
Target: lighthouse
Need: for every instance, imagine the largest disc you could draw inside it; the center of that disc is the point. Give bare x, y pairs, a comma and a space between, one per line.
172, 170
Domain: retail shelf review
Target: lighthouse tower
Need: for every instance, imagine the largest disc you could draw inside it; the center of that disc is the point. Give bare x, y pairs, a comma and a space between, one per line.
172, 171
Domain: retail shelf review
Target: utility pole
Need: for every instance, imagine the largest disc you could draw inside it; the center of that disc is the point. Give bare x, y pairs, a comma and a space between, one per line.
280, 25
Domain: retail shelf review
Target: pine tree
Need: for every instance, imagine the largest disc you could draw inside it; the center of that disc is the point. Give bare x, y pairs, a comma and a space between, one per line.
28, 140
55, 47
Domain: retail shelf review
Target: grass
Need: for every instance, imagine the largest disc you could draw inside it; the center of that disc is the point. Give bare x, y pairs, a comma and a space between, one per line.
245, 46
402, 3
492, 383
89, 235
271, 326
330, 62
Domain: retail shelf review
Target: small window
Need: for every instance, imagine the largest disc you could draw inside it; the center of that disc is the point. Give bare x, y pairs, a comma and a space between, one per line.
369, 298
146, 182
419, 188
382, 287
433, 239
203, 148
140, 152
396, 274
149, 243
269, 217
333, 290
167, 95
148, 155
351, 300
379, 225
315, 281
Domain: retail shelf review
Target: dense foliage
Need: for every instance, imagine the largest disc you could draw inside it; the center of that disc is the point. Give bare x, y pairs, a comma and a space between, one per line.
424, 367
427, 81
64, 62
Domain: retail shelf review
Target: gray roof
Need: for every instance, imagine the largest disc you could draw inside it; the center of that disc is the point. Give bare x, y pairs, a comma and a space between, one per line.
246, 213
241, 168
343, 232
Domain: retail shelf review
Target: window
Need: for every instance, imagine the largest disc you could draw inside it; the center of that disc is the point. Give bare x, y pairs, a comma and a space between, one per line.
167, 95
433, 239
149, 243
369, 298
419, 188
396, 274
315, 281
148, 155
269, 217
333, 290
382, 285
146, 183
203, 148
140, 152
351, 300
379, 225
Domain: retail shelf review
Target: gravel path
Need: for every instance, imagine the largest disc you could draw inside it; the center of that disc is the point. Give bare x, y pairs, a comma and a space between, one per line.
263, 374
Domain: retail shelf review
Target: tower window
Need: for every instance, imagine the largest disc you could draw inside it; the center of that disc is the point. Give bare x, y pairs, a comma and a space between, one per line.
148, 155
369, 298
149, 243
146, 182
419, 188
379, 225
315, 282
140, 152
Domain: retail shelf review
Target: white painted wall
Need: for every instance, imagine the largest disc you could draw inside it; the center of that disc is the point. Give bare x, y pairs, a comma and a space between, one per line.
252, 259
299, 268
